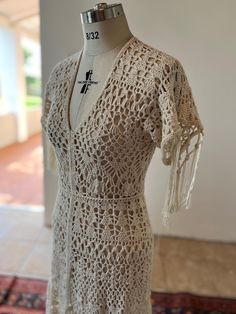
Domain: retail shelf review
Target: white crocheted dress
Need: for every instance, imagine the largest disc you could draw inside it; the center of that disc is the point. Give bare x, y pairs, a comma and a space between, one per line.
102, 238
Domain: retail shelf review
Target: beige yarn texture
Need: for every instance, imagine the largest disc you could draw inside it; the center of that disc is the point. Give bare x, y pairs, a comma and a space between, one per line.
102, 238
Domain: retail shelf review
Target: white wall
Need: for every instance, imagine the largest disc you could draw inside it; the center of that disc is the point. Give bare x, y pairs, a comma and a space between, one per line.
201, 34
9, 126
12, 77
8, 69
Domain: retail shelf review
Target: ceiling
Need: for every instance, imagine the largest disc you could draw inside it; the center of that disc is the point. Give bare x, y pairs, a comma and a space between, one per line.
16, 10
22, 12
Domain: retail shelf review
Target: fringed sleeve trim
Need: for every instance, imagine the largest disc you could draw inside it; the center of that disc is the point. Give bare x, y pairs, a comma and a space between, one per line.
46, 105
183, 165
51, 158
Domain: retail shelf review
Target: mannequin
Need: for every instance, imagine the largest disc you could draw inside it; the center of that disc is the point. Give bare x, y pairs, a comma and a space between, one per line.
102, 41
102, 250
99, 51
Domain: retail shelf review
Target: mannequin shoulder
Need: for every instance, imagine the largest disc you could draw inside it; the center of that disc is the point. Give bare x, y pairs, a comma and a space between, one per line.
64, 68
159, 60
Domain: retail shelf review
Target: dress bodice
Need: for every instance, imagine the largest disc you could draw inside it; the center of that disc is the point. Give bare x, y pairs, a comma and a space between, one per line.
145, 103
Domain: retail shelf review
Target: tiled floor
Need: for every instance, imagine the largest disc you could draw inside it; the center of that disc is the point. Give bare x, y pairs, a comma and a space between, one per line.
25, 243
196, 266
21, 175
201, 267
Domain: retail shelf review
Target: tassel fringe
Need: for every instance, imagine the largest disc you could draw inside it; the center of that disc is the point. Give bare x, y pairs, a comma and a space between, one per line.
182, 175
51, 158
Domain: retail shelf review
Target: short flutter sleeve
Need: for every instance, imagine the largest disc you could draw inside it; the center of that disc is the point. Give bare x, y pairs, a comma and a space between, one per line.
46, 105
178, 132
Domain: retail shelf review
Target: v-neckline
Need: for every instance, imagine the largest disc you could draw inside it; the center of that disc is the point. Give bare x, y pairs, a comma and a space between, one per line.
68, 103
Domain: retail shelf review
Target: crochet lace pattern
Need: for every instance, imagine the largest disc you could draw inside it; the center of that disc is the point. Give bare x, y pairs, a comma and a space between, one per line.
102, 238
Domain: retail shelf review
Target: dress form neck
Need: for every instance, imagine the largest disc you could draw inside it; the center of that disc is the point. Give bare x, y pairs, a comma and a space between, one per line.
102, 42
101, 37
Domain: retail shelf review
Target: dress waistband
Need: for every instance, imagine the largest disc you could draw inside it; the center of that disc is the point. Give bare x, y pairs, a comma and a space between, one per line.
97, 198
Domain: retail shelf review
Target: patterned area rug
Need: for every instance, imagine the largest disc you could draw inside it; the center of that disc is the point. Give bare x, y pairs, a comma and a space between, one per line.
189, 303
24, 296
